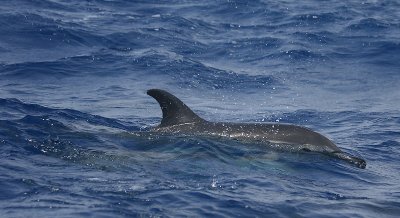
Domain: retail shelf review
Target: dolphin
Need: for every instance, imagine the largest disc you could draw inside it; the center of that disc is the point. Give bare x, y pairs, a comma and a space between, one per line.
180, 119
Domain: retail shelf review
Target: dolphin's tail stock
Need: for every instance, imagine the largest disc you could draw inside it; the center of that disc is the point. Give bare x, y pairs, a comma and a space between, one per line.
359, 162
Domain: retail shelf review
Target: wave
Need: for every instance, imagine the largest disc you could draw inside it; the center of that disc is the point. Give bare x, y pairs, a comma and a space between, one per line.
368, 25
28, 114
44, 32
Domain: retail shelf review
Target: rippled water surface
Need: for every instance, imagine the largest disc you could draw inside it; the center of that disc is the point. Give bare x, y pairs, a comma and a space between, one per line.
74, 76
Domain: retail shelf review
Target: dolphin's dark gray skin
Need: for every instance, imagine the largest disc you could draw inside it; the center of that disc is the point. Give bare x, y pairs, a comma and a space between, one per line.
180, 119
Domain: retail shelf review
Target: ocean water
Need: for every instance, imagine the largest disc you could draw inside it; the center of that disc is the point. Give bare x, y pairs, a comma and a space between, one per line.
73, 81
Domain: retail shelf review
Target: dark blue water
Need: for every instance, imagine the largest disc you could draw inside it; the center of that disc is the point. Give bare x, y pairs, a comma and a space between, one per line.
74, 76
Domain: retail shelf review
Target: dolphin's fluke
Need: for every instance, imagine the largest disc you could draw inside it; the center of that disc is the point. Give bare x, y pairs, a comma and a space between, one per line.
174, 111
350, 159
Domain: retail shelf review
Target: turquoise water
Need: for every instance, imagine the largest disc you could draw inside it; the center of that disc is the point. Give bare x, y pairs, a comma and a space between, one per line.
74, 76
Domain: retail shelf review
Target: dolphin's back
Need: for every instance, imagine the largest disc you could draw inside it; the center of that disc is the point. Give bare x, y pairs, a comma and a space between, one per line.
300, 137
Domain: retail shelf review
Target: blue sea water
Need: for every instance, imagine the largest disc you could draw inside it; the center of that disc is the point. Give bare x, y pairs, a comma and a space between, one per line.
74, 76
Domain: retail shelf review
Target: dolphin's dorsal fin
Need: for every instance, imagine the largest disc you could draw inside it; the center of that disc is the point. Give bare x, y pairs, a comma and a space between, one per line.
174, 111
